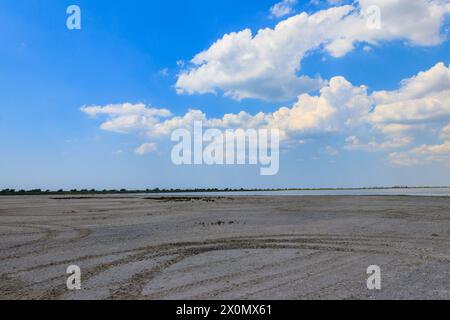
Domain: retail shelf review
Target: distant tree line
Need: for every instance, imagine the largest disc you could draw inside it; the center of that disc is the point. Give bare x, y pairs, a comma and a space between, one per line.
115, 191
198, 190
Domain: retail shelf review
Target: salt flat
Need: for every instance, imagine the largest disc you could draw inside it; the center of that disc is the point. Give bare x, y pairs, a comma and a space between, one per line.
140, 247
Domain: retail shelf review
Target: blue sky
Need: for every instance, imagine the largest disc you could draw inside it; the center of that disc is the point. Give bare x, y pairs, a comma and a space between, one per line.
127, 52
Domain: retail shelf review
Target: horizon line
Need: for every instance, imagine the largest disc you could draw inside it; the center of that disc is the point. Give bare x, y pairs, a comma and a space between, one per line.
9, 191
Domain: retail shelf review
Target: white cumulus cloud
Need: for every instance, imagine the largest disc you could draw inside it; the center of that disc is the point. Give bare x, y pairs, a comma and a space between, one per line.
421, 99
445, 133
127, 117
425, 154
283, 8
267, 65
145, 148
384, 120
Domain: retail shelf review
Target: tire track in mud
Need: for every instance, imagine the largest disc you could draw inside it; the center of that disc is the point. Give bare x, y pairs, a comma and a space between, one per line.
182, 250
325, 290
134, 286
286, 240
166, 292
94, 271
314, 269
309, 244
317, 238
341, 262
51, 232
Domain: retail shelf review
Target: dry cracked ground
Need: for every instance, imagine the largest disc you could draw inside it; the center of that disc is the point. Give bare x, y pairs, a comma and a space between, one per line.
140, 247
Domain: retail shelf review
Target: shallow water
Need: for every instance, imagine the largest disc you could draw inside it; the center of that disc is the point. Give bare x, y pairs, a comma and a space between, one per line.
367, 192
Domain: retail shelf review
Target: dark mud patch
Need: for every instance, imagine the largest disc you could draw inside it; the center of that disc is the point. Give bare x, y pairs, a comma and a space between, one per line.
217, 223
187, 199
90, 198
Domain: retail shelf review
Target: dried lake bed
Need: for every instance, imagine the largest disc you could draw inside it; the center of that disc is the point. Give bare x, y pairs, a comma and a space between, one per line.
224, 247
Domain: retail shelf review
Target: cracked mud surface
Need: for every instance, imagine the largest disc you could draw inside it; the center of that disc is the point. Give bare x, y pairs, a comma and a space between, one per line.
140, 247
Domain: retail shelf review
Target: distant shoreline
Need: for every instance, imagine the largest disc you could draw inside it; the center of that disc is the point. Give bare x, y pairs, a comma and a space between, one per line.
13, 192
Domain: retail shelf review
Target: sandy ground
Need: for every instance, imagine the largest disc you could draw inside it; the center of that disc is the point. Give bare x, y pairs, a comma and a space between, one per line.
135, 247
